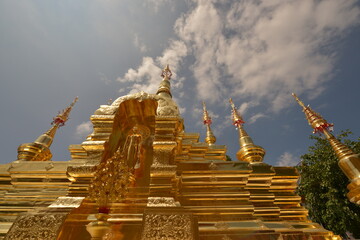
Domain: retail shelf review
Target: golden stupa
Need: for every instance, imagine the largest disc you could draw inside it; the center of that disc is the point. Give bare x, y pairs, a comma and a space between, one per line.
139, 175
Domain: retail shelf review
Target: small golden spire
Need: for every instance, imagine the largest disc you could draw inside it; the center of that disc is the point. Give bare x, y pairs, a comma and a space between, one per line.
39, 149
349, 162
210, 138
164, 88
248, 152
315, 120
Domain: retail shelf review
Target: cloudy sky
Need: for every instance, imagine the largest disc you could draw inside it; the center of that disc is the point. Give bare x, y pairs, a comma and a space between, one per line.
256, 52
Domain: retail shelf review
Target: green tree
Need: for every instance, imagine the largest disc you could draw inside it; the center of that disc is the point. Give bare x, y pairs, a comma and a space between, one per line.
323, 187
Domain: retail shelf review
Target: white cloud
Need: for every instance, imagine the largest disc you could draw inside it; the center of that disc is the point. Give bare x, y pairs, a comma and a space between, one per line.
155, 4
147, 76
84, 129
139, 44
244, 107
287, 159
256, 117
262, 50
104, 78
182, 109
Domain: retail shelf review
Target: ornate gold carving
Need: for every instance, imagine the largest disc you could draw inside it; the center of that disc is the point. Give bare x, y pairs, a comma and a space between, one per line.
49, 166
36, 226
114, 175
162, 202
167, 226
221, 225
67, 202
81, 171
161, 169
213, 166
213, 178
226, 237
167, 107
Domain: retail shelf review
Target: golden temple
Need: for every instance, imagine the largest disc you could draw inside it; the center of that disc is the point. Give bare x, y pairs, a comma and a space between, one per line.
139, 175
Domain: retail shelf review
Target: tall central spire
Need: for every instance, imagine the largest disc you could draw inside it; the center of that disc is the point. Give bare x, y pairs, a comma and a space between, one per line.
164, 88
349, 162
248, 152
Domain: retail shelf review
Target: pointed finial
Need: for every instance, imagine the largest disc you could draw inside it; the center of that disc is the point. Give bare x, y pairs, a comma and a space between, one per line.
248, 152
236, 117
210, 138
315, 120
166, 73
164, 88
63, 116
207, 118
298, 100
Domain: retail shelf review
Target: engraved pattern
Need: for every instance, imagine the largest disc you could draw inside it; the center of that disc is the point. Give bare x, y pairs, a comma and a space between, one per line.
167, 226
213, 178
36, 227
213, 166
49, 166
167, 107
163, 169
85, 170
69, 202
161, 202
221, 225
226, 237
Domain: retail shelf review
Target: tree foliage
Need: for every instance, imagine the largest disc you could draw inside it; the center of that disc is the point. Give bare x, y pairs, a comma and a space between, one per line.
323, 187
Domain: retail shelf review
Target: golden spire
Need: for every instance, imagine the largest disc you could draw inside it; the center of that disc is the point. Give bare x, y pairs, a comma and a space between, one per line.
349, 162
164, 88
248, 152
315, 120
210, 138
39, 149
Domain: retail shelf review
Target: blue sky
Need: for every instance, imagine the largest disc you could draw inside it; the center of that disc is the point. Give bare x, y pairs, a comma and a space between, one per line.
256, 52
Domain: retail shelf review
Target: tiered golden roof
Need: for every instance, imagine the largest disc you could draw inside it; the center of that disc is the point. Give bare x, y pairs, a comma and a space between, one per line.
349, 162
139, 175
